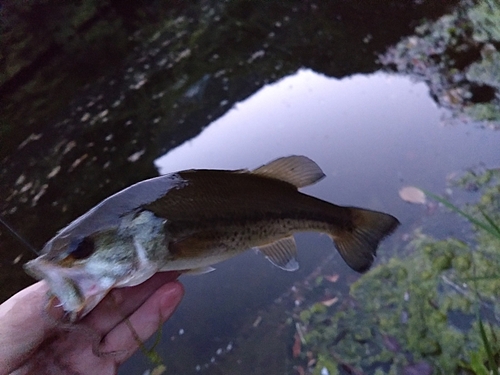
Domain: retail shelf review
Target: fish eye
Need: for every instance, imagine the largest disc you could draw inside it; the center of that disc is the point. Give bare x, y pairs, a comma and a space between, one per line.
81, 248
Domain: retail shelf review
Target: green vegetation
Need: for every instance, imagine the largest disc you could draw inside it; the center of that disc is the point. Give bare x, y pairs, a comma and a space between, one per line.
434, 309
458, 57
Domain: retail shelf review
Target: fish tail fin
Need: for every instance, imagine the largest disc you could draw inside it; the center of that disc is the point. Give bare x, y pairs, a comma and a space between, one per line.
357, 243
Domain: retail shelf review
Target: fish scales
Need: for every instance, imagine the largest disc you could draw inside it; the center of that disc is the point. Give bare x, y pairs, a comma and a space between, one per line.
218, 211
220, 198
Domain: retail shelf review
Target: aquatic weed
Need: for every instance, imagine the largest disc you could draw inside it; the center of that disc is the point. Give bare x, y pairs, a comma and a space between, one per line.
487, 351
435, 309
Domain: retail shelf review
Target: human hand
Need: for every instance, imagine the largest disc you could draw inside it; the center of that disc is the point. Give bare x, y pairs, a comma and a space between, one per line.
33, 341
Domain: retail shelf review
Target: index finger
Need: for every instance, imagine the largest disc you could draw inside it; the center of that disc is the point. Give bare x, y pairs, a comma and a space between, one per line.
121, 302
126, 337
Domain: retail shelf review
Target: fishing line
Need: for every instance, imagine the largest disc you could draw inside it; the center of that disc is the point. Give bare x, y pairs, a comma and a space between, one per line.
152, 354
18, 236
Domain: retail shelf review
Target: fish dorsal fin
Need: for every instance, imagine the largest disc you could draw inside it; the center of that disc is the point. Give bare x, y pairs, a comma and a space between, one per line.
297, 170
282, 253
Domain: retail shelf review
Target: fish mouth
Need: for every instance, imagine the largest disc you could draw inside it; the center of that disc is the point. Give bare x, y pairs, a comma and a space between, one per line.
77, 291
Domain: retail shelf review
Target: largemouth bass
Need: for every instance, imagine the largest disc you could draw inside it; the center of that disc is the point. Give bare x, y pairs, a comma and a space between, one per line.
192, 219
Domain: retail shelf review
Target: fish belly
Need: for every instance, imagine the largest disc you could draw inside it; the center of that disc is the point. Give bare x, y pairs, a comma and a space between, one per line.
207, 245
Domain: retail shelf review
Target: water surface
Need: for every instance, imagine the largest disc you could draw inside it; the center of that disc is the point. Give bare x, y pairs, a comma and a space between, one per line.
371, 135
74, 132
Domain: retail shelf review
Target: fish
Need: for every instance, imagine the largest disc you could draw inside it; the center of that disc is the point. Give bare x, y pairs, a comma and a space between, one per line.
190, 220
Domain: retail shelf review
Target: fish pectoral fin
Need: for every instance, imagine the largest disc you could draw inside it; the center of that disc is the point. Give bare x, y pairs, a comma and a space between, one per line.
297, 170
198, 271
282, 253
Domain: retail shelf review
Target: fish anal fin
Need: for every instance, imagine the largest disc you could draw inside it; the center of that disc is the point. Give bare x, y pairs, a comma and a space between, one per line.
358, 244
297, 170
282, 253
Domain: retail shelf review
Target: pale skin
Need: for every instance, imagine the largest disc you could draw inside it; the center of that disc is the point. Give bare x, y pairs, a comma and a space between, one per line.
34, 341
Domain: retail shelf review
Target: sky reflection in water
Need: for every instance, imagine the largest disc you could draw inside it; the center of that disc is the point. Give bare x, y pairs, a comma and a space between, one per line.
371, 135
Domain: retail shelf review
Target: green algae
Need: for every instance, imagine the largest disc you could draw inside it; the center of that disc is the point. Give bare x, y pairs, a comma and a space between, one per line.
327, 363
437, 306
457, 56
484, 17
487, 70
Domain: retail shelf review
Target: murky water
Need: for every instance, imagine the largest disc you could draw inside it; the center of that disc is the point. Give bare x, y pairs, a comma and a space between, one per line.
371, 135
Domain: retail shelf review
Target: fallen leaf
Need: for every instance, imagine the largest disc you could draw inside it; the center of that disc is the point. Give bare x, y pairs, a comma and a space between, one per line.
412, 194
332, 278
296, 346
18, 258
329, 302
311, 362
158, 370
391, 343
257, 322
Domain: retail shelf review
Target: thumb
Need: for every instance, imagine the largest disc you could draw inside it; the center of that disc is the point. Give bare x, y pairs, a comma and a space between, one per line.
24, 324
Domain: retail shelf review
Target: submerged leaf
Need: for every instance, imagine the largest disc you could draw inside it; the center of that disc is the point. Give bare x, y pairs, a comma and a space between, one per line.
330, 302
332, 278
296, 346
412, 194
158, 370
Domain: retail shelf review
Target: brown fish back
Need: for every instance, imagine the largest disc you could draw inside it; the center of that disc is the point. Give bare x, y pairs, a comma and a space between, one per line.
212, 199
212, 193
